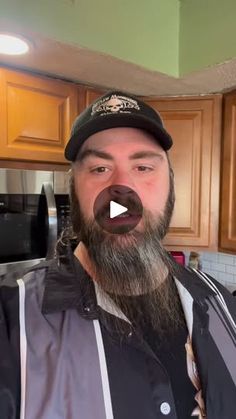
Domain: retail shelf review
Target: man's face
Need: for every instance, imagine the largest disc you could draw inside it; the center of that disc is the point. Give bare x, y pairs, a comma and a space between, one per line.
122, 156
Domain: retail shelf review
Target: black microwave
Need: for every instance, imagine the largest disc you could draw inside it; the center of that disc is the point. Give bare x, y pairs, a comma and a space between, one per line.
34, 209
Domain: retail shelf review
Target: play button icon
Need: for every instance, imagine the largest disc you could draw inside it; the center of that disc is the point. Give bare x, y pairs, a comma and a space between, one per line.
118, 209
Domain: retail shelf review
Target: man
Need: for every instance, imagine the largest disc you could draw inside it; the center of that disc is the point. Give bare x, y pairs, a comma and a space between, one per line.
113, 327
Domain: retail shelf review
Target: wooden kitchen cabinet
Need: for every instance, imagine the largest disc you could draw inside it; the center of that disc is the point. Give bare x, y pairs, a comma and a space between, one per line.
36, 114
228, 180
194, 124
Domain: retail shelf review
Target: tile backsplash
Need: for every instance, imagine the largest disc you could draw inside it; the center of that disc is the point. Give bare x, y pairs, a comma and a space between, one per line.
220, 266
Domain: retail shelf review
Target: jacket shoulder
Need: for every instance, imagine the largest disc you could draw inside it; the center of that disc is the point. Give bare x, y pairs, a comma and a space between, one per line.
213, 283
220, 291
10, 280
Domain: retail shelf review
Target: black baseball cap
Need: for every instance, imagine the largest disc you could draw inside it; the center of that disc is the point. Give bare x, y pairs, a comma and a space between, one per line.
112, 110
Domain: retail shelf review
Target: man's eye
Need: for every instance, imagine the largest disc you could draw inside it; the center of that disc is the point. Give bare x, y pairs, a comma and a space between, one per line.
144, 168
100, 169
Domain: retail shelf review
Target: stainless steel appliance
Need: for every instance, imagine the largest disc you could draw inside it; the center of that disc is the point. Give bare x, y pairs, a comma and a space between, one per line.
34, 208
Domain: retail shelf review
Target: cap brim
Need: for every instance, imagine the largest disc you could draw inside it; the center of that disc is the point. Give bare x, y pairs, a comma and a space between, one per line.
114, 121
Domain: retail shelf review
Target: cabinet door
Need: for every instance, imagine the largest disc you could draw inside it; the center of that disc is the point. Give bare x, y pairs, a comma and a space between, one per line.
228, 182
91, 95
194, 124
36, 114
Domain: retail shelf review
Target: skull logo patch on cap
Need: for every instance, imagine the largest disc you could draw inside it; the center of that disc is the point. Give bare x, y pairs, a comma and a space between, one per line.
114, 104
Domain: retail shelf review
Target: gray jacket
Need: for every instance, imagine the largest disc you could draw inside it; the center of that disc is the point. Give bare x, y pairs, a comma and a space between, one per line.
60, 360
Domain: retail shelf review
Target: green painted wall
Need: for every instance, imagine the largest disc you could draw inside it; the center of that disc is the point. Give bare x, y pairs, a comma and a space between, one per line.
170, 36
207, 33
144, 32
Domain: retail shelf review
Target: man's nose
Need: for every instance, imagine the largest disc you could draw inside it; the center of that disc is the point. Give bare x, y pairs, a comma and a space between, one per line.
120, 191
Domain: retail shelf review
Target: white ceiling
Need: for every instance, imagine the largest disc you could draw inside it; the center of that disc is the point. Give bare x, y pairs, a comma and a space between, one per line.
88, 67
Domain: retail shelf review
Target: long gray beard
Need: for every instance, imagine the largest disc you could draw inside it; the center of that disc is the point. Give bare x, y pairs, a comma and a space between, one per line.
134, 264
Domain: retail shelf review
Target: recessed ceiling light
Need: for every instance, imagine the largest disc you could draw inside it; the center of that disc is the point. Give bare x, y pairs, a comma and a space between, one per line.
12, 45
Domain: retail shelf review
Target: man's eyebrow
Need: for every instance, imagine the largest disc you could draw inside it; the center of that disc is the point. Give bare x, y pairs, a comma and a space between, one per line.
145, 154
104, 155
92, 152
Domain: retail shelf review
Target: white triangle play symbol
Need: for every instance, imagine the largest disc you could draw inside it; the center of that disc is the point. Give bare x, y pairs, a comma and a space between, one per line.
116, 209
